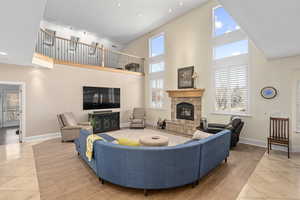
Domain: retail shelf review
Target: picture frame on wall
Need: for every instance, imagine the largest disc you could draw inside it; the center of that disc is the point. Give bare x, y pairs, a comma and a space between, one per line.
185, 77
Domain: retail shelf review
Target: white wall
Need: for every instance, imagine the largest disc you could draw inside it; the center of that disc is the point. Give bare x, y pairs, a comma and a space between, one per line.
188, 42
57, 90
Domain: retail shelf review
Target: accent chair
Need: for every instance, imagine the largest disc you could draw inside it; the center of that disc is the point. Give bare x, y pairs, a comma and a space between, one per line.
137, 119
70, 128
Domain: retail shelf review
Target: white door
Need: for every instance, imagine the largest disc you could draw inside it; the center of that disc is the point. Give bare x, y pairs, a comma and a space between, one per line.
1, 108
11, 105
20, 114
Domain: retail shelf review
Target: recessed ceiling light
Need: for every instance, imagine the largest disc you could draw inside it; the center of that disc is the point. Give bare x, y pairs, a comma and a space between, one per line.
119, 4
3, 53
181, 3
170, 10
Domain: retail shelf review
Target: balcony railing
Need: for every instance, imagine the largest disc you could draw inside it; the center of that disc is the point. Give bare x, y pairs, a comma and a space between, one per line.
75, 52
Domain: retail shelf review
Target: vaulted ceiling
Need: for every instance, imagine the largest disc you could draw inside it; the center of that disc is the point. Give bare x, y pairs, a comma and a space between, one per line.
273, 25
118, 20
19, 21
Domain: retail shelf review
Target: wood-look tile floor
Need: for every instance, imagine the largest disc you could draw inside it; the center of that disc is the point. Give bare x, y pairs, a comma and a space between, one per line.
63, 175
9, 136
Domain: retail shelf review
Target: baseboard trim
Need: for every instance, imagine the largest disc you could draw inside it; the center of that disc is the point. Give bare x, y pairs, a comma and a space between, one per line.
261, 143
42, 137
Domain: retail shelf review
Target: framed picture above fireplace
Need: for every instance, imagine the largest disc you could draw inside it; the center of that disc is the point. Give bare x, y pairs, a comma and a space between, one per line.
185, 77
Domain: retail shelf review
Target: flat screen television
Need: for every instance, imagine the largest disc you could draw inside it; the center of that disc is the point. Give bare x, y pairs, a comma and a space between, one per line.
100, 98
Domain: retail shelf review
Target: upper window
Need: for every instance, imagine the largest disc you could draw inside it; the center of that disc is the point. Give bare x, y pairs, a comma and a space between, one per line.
157, 46
223, 22
157, 67
231, 49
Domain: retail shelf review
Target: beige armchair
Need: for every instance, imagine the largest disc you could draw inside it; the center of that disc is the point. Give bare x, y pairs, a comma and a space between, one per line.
137, 119
70, 128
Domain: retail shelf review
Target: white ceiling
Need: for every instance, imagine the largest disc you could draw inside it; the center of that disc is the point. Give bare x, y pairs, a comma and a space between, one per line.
19, 21
273, 25
120, 24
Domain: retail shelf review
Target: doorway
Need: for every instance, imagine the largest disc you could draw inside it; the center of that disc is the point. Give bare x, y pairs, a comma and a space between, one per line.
11, 128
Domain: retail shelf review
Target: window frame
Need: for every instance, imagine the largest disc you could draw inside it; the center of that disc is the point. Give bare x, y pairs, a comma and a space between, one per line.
227, 62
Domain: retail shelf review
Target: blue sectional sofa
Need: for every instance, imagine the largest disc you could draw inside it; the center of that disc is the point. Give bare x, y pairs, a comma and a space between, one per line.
156, 167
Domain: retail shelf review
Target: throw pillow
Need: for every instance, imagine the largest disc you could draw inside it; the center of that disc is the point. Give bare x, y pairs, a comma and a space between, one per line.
127, 142
198, 135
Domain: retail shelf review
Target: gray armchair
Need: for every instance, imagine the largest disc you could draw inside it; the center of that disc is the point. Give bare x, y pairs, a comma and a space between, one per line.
70, 128
137, 119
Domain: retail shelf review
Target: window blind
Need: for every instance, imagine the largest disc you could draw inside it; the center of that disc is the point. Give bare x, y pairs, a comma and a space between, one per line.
231, 88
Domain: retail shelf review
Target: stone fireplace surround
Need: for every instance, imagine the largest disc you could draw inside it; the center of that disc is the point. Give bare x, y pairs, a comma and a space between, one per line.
189, 96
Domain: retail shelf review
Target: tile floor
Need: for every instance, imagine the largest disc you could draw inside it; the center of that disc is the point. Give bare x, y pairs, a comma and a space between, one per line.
18, 179
275, 178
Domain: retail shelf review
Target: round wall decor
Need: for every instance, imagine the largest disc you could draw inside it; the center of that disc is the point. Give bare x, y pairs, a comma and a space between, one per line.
268, 92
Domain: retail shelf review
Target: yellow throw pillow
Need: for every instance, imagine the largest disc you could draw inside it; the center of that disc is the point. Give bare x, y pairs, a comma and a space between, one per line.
127, 142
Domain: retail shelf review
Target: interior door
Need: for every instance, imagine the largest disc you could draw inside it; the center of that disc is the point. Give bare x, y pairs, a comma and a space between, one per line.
11, 107
20, 114
1, 108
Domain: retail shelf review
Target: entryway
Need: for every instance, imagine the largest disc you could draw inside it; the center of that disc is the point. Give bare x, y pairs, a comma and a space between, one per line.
10, 112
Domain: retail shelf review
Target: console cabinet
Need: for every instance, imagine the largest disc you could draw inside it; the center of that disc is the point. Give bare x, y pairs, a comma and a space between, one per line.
105, 121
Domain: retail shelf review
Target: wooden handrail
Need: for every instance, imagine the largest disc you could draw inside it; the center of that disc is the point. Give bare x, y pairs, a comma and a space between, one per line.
98, 47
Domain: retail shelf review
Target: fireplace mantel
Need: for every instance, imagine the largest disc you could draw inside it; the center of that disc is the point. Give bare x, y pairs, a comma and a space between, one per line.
186, 93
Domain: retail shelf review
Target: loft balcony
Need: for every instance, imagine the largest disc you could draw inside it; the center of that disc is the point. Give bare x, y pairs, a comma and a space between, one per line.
51, 49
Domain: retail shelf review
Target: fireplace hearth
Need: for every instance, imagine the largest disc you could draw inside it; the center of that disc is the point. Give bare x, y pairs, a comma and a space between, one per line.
185, 111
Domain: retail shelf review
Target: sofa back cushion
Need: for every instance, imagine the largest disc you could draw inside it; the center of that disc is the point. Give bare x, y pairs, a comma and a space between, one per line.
60, 121
69, 119
138, 113
148, 167
214, 150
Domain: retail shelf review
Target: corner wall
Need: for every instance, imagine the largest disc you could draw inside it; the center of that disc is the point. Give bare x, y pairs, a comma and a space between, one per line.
188, 42
57, 90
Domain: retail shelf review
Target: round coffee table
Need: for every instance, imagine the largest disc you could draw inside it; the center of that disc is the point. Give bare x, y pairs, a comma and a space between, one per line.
154, 140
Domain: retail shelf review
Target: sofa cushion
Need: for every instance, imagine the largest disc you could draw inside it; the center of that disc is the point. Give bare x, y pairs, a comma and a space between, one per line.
127, 142
198, 135
107, 137
69, 119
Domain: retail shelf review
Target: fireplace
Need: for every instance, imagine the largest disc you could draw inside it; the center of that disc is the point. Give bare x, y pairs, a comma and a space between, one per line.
185, 111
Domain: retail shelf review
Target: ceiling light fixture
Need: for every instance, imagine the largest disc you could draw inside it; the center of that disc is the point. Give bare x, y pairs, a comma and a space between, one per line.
181, 3
3, 53
119, 4
170, 10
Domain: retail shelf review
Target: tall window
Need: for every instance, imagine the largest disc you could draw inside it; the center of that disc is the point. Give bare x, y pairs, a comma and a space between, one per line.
156, 70
230, 64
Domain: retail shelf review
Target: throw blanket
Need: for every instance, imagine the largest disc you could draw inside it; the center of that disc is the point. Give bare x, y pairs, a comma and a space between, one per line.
90, 144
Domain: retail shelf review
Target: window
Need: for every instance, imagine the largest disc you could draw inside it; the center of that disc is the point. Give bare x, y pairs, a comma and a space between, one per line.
157, 46
156, 70
157, 67
231, 49
230, 65
224, 23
